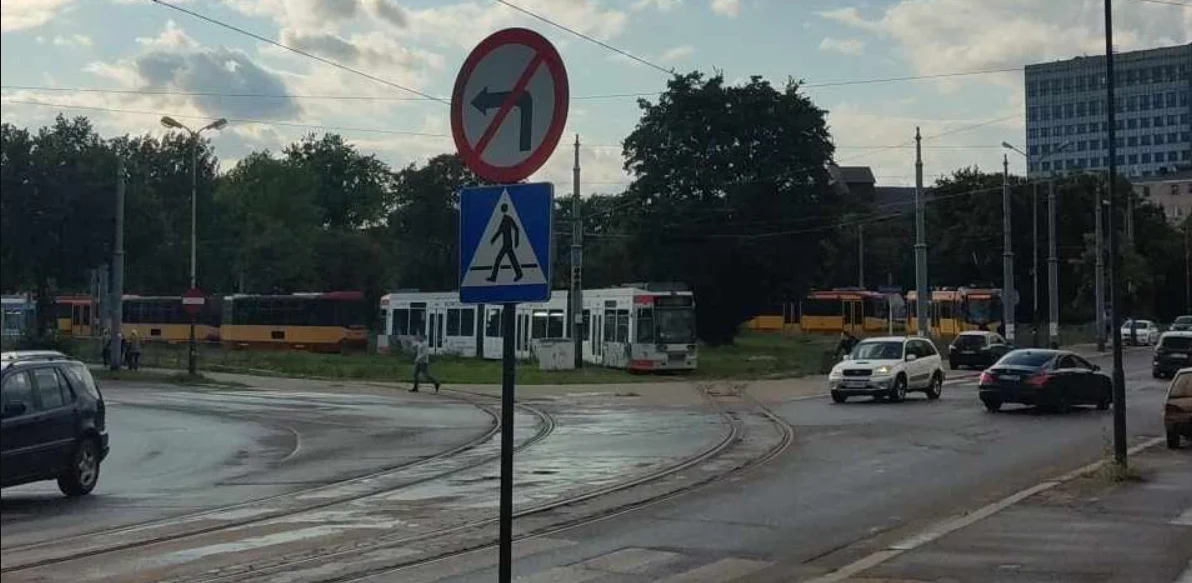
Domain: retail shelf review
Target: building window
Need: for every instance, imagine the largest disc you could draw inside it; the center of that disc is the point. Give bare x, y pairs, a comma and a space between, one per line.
1081, 146
1158, 121
1131, 123
1157, 101
1133, 158
1158, 139
1080, 128
1046, 166
1145, 140
1032, 133
1144, 122
1057, 111
1033, 167
1068, 130
1146, 157
1185, 154
1171, 99
1132, 141
1172, 156
1068, 111
1034, 150
1121, 159
1080, 111
1043, 131
1032, 114
1105, 160
1132, 103
1046, 149
1171, 120
1030, 89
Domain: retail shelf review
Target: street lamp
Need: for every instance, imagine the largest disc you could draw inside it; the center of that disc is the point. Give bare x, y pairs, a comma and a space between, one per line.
171, 123
1053, 304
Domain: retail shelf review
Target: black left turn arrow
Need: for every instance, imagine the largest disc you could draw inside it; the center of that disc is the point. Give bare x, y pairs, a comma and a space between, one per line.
486, 100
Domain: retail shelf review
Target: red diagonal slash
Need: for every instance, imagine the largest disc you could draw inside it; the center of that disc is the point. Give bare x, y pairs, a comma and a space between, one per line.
514, 94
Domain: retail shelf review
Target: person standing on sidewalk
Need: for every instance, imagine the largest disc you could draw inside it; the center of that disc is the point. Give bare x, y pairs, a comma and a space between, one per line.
422, 363
134, 351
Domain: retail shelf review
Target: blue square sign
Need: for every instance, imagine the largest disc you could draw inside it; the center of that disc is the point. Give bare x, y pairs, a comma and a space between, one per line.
504, 243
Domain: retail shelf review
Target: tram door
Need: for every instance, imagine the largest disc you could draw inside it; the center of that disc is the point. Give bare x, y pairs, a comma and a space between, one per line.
854, 316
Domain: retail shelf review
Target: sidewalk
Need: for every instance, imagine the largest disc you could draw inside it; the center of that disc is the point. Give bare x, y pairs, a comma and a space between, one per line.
1086, 530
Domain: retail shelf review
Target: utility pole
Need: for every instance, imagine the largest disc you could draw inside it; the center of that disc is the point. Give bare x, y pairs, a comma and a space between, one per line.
1130, 219
577, 262
1099, 266
117, 291
861, 256
1119, 376
921, 299
1187, 267
1053, 269
1008, 290
1035, 260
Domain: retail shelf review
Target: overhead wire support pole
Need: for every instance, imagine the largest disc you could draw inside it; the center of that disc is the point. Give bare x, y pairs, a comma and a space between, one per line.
1008, 290
1119, 377
922, 301
577, 262
117, 291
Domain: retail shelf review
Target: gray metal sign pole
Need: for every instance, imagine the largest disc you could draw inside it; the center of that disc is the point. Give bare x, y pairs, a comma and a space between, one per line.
508, 364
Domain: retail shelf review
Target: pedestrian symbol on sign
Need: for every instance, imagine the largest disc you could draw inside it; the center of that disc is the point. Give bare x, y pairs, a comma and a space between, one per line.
501, 258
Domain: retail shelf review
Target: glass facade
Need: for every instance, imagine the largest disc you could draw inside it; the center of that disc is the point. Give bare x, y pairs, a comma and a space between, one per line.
1065, 102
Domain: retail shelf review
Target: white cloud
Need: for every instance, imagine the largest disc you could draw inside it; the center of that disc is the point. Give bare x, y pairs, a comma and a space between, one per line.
171, 37
388, 12
848, 46
959, 35
74, 40
21, 14
659, 5
676, 53
730, 8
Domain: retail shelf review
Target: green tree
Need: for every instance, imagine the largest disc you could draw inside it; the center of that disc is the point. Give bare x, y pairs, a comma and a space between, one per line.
352, 187
721, 175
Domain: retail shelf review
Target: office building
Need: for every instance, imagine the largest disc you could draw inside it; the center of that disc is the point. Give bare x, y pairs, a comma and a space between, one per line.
1065, 102
1170, 192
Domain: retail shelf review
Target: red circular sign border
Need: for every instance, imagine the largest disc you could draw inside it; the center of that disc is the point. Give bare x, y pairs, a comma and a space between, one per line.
554, 132
193, 309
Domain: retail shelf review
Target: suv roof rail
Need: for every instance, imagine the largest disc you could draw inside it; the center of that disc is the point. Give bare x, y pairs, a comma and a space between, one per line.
32, 355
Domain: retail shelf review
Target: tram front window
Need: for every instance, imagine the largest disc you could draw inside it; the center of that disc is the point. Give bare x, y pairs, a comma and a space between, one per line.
675, 326
984, 310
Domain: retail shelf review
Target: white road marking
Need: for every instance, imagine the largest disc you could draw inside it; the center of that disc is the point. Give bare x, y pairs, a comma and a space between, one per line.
722, 570
1186, 576
951, 525
628, 561
1184, 519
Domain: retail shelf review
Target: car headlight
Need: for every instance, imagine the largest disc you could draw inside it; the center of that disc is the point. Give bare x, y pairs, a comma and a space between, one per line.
835, 374
881, 371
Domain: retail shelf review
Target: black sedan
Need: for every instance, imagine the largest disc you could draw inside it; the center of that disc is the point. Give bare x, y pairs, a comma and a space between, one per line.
1055, 379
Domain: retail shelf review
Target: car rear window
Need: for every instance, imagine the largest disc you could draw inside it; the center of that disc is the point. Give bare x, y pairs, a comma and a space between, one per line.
1176, 343
1182, 386
1027, 358
81, 379
1184, 320
969, 341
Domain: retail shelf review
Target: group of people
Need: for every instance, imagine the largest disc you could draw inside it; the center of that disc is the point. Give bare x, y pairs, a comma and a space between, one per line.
130, 349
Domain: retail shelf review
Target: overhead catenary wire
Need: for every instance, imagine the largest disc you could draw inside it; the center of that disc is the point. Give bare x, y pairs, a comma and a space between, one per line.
234, 120
307, 54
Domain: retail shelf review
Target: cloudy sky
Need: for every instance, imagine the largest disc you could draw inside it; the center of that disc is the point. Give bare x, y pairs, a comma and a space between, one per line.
133, 60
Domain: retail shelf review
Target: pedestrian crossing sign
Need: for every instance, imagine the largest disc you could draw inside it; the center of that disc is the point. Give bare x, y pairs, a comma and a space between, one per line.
505, 243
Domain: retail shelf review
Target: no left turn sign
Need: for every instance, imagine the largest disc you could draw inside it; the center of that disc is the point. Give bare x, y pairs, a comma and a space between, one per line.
509, 105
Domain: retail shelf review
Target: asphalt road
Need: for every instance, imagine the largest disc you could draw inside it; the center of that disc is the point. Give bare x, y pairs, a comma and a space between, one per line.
176, 451
860, 476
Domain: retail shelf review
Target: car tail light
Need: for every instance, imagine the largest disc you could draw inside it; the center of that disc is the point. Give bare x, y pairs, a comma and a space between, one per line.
986, 378
1038, 380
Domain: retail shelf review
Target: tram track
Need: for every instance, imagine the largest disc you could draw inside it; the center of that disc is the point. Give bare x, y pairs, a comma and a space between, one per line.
292, 568
460, 458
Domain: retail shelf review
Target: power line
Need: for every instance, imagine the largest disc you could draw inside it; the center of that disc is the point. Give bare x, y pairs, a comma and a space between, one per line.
1169, 3
586, 37
297, 51
234, 120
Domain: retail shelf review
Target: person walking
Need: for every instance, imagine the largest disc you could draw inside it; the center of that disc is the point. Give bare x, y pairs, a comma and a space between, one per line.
134, 351
846, 344
422, 363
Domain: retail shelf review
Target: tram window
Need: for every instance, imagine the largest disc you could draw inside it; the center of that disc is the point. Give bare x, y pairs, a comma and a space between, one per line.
467, 322
401, 322
64, 311
821, 307
587, 324
610, 325
453, 322
645, 325
86, 315
493, 328
554, 328
622, 325
538, 327
418, 318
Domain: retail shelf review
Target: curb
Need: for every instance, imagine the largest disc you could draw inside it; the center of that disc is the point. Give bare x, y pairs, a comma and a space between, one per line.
954, 524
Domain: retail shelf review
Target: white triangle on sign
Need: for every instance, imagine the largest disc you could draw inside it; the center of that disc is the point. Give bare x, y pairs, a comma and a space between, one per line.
504, 241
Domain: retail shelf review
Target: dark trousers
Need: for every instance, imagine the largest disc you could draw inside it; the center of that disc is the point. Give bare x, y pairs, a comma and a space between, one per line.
134, 360
422, 369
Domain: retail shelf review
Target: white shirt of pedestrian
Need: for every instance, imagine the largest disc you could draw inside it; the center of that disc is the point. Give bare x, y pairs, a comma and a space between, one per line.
421, 352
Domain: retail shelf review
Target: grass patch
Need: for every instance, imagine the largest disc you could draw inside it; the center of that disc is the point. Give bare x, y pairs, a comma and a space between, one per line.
174, 378
755, 355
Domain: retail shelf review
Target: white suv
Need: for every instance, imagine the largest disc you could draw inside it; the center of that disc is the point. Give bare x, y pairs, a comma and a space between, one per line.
1145, 331
888, 367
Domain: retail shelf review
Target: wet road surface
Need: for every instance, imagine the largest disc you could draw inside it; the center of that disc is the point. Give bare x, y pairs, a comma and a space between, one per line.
176, 451
860, 476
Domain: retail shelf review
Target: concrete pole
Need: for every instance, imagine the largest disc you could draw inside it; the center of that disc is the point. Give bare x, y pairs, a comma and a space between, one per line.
1099, 266
1053, 277
577, 261
922, 299
1008, 290
1187, 267
192, 364
117, 291
861, 256
1035, 261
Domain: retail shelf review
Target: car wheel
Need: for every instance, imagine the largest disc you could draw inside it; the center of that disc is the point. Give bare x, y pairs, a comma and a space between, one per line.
992, 405
1061, 404
1156, 374
898, 391
82, 475
1103, 403
1173, 439
838, 397
936, 388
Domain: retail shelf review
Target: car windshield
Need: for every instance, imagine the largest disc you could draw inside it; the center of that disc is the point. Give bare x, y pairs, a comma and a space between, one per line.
1184, 320
878, 351
1029, 358
1181, 387
969, 341
1177, 343
1139, 324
